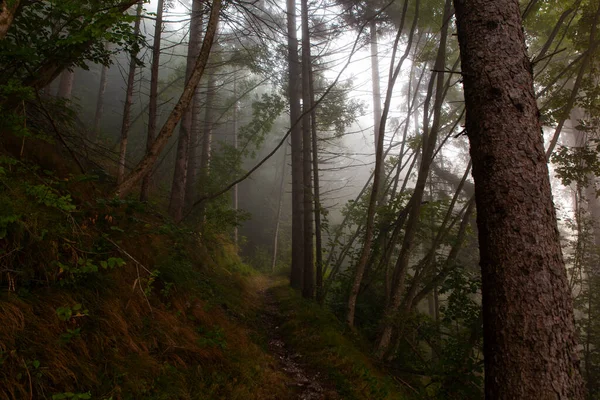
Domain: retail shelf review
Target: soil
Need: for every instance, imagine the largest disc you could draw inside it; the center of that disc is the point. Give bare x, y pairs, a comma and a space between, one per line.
304, 382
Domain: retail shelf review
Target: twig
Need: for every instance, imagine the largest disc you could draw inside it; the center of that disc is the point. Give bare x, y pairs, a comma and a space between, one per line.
124, 252
30, 384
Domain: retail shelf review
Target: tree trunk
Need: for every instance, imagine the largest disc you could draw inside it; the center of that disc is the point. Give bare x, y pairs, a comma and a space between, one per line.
153, 107
279, 205
177, 200
429, 143
377, 175
99, 103
530, 348
146, 164
206, 140
235, 194
65, 86
317, 193
308, 287
375, 79
126, 124
7, 15
294, 89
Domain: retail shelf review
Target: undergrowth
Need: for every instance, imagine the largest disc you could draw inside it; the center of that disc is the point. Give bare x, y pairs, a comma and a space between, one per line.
327, 346
103, 298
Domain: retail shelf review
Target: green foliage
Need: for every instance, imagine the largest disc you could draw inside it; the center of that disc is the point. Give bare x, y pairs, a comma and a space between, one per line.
74, 31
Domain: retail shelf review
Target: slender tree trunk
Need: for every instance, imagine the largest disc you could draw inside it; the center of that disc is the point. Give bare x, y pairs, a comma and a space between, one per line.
593, 43
294, 93
317, 194
376, 79
177, 200
126, 123
308, 288
235, 194
191, 183
146, 164
99, 103
65, 85
7, 15
279, 206
429, 144
530, 346
153, 107
207, 140
377, 175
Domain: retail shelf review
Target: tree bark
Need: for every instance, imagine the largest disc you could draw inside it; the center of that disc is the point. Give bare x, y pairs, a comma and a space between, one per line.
7, 15
207, 140
153, 106
178, 188
168, 128
308, 288
377, 175
279, 206
530, 347
294, 92
99, 103
126, 123
65, 85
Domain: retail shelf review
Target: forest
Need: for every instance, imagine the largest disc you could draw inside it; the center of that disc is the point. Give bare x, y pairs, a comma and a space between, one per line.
316, 200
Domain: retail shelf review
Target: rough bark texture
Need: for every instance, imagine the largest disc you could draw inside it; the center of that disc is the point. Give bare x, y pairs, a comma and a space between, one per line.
294, 92
126, 124
145, 165
529, 334
177, 200
7, 15
153, 102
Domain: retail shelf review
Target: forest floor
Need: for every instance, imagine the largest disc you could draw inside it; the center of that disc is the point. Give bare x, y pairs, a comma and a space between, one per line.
305, 383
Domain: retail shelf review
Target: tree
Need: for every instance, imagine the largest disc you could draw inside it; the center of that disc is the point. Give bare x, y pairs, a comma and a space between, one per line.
294, 92
530, 347
153, 105
126, 122
178, 189
7, 15
146, 164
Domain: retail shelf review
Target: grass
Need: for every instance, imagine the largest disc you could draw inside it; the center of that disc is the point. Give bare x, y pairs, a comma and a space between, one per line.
329, 347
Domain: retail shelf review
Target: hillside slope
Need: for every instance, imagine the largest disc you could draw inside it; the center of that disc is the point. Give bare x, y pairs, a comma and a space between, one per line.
106, 299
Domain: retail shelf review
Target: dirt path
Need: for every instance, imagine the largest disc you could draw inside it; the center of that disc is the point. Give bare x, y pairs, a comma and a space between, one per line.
304, 383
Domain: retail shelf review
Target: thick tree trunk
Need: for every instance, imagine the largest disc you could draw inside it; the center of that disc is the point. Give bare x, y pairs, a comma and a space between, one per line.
153, 106
150, 158
294, 92
308, 288
65, 85
530, 347
7, 15
126, 124
176, 203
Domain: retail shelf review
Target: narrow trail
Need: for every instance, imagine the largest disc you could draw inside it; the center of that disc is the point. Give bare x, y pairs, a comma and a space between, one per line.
304, 382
